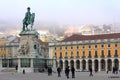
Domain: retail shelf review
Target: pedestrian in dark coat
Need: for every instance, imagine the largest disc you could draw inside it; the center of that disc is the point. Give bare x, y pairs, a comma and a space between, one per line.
90, 69
113, 70
67, 71
59, 71
49, 71
73, 72
16, 67
23, 71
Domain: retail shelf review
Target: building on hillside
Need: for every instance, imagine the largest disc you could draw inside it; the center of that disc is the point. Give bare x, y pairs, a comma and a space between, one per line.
71, 30
87, 29
101, 52
97, 30
107, 29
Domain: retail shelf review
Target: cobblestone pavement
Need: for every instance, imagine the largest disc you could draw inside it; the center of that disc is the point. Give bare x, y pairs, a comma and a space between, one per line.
44, 76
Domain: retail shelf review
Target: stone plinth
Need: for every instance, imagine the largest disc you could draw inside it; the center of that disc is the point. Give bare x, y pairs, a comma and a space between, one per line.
29, 49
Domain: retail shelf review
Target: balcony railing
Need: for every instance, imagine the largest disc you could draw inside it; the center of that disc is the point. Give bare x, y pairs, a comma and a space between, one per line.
109, 55
102, 56
71, 57
89, 56
116, 55
60, 57
96, 56
83, 56
66, 57
77, 56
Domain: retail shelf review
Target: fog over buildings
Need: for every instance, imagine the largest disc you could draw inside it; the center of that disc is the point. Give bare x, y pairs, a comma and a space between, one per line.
61, 18
53, 31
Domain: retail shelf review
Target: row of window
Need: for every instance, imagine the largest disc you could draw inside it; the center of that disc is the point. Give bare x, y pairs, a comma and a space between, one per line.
109, 45
96, 53
25, 62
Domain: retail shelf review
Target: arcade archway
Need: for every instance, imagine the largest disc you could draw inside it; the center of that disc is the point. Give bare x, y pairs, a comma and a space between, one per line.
109, 66
116, 64
71, 63
61, 64
102, 65
89, 64
96, 65
77, 64
66, 63
83, 64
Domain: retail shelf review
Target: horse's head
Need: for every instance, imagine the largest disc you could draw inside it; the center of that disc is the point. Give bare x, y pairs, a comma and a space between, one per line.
33, 15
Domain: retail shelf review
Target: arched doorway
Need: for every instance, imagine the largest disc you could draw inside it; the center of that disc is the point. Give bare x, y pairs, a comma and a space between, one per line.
109, 66
102, 65
71, 63
116, 64
89, 64
77, 64
83, 64
66, 63
61, 64
96, 65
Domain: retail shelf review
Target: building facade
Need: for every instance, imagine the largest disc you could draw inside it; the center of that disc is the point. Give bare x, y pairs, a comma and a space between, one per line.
9, 49
101, 52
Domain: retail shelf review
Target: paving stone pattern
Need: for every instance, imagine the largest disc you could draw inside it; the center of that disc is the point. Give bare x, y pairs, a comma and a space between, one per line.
44, 76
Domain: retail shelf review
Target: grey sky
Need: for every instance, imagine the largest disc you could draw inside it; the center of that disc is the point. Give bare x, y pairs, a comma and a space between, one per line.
62, 11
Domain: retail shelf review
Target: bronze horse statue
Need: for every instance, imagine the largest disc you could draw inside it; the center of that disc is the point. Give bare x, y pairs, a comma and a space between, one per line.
28, 20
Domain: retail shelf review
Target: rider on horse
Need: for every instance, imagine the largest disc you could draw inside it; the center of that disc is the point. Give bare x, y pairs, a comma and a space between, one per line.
29, 19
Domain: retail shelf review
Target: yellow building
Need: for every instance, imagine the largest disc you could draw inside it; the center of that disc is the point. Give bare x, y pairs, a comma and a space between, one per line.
101, 52
2, 48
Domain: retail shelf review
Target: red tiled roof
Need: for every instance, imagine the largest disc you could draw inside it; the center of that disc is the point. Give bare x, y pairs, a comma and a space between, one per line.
77, 37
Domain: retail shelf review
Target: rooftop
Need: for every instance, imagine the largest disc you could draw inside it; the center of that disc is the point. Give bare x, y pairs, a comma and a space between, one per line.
78, 37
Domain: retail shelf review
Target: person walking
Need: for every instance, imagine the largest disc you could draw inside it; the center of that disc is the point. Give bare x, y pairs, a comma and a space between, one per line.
23, 71
59, 71
49, 71
73, 72
67, 71
90, 69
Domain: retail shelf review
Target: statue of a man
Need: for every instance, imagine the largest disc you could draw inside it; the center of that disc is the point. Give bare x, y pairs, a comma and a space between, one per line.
29, 19
28, 15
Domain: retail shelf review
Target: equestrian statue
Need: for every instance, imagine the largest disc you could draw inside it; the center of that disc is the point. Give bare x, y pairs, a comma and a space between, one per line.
28, 20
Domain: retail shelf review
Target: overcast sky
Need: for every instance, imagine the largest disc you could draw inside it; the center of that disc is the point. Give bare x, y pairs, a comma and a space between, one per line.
62, 11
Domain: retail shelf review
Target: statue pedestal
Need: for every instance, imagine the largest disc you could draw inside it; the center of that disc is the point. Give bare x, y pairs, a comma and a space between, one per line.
29, 51
28, 44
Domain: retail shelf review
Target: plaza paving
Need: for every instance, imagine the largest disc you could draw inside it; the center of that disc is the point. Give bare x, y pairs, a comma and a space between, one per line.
44, 76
